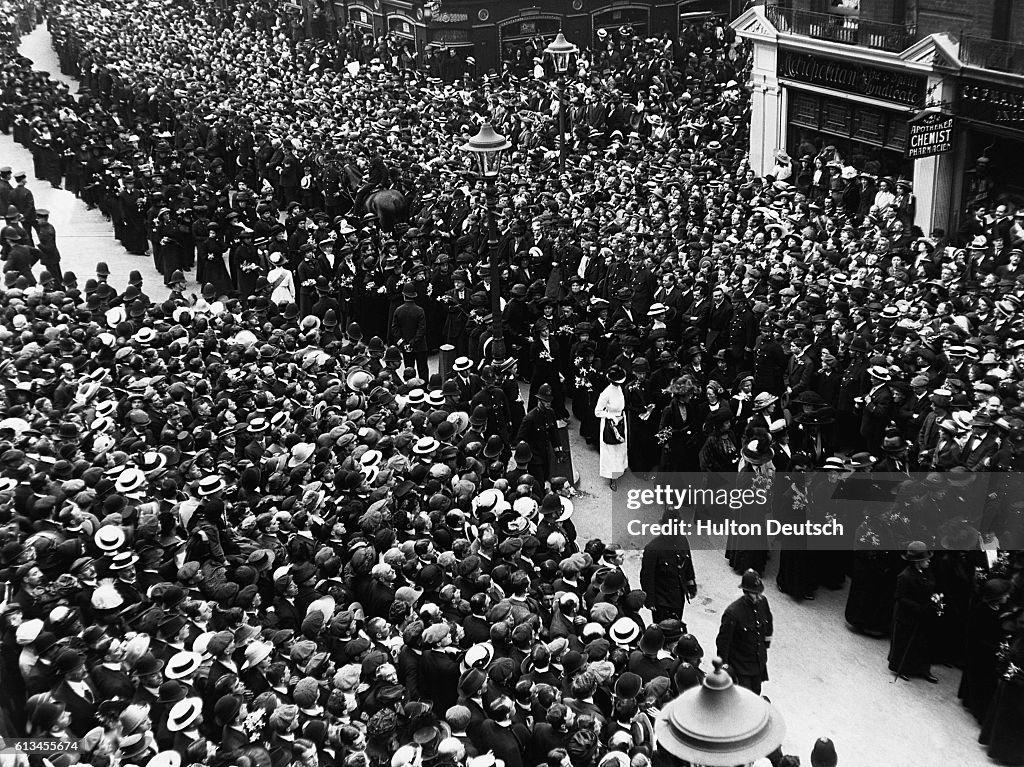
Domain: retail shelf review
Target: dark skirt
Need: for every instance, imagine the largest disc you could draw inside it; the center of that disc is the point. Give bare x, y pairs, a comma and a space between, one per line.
796, 571
1002, 731
910, 651
643, 445
869, 605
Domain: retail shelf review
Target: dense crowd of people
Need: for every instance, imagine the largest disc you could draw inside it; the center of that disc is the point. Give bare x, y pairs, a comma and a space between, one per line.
250, 527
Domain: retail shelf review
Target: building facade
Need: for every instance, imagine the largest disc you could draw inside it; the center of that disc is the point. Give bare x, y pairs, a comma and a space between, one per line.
928, 90
493, 31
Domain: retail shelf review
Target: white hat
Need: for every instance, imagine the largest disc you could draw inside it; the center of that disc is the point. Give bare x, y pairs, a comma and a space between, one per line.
183, 663
29, 631
109, 538
130, 480
166, 758
624, 631
183, 714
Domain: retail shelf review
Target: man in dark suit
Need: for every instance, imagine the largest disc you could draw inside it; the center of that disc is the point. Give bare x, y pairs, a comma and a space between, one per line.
468, 382
877, 408
5, 187
981, 445
770, 362
439, 666
716, 320
746, 634
381, 592
22, 198
742, 329
801, 365
75, 691
49, 253
667, 575
409, 330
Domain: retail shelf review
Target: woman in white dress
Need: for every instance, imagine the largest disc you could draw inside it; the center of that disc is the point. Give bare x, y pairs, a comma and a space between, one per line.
282, 283
611, 407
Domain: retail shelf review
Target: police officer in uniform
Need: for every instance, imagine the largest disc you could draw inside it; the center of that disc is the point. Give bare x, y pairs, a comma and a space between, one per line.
539, 429
667, 575
746, 634
742, 330
499, 413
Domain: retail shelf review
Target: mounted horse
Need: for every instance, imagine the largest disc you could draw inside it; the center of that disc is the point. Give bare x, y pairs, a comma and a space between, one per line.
375, 198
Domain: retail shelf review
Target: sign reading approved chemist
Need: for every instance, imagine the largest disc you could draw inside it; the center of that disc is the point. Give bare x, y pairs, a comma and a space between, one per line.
929, 132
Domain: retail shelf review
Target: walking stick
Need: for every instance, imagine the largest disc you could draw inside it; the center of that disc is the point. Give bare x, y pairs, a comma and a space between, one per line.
910, 643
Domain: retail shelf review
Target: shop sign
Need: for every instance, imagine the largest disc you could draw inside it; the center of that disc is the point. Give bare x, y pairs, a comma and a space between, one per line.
999, 106
929, 133
450, 17
449, 35
851, 77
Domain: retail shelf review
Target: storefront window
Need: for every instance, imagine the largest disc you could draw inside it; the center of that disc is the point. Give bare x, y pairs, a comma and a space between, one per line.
994, 171
621, 24
867, 138
523, 39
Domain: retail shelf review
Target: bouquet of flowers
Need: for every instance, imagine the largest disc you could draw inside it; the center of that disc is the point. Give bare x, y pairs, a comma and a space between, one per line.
583, 382
1013, 673
938, 604
251, 267
430, 289
545, 356
664, 435
761, 482
253, 724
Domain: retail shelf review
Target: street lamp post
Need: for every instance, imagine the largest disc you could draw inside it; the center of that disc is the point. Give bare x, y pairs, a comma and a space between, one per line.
718, 724
488, 149
561, 52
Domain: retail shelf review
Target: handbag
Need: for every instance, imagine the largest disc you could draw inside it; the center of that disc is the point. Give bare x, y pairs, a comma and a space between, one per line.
612, 432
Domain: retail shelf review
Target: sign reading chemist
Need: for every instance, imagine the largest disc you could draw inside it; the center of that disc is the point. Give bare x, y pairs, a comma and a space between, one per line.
929, 132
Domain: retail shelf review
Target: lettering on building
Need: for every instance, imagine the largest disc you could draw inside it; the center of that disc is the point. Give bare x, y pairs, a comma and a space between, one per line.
992, 105
929, 133
850, 77
451, 17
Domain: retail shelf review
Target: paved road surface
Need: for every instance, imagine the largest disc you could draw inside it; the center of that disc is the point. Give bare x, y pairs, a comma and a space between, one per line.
825, 680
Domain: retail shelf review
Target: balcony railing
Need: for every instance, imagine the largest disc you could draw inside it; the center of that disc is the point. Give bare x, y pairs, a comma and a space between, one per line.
848, 30
1000, 55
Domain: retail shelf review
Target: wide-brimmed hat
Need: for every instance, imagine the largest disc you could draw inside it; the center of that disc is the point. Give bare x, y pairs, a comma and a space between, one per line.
255, 653
879, 373
763, 400
757, 452
301, 453
816, 416
616, 374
